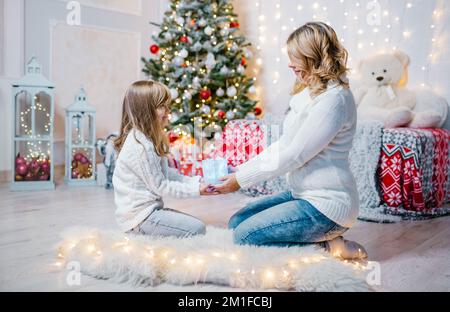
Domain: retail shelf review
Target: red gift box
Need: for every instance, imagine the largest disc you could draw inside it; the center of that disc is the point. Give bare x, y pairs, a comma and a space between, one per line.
241, 140
414, 168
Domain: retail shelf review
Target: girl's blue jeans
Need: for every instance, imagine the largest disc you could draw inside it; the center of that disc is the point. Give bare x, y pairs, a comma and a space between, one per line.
282, 221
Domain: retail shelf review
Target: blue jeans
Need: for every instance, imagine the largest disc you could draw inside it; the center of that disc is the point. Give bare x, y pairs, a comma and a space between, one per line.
283, 221
169, 222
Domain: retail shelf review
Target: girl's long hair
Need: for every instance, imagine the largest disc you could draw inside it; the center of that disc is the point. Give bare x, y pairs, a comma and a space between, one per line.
139, 111
316, 49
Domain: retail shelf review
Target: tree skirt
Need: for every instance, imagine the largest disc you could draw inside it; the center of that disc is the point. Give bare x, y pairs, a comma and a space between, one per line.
212, 259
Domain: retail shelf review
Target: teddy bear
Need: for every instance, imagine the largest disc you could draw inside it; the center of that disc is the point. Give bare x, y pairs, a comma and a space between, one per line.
383, 97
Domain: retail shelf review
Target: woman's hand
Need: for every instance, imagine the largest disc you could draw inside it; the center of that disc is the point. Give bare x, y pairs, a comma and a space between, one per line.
229, 184
208, 190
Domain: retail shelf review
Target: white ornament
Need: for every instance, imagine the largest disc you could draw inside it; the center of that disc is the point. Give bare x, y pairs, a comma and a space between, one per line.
252, 90
240, 69
210, 61
180, 20
202, 23
178, 61
206, 109
224, 70
174, 93
231, 91
248, 54
208, 31
224, 32
187, 95
207, 45
168, 36
174, 117
230, 115
196, 82
197, 46
251, 116
234, 47
184, 53
220, 92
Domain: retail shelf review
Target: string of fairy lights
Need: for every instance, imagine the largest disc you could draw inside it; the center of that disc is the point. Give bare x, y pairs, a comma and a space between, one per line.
364, 27
34, 145
164, 258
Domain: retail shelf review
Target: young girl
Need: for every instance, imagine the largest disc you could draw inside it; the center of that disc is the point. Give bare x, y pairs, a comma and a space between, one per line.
322, 202
142, 177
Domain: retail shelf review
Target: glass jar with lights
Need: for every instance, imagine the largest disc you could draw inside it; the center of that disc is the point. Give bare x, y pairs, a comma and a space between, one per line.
32, 144
80, 142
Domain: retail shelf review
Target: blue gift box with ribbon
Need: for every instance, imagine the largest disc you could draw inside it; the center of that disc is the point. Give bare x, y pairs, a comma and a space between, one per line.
214, 169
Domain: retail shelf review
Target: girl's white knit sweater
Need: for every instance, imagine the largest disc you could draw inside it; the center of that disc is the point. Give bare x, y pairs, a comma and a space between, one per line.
313, 151
141, 179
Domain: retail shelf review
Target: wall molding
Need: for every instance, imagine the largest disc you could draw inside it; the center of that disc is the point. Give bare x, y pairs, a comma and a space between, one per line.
54, 22
111, 8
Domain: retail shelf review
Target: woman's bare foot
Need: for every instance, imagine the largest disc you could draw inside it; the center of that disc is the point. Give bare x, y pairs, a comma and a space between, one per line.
345, 249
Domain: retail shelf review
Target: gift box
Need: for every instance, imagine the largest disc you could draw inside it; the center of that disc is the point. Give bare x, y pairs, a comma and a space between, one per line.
414, 169
186, 155
241, 140
214, 169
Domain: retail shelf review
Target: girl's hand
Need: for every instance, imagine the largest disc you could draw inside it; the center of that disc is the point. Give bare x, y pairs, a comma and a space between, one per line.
208, 190
229, 184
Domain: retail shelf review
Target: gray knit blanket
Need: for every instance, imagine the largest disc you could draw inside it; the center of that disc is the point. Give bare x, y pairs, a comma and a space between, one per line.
364, 158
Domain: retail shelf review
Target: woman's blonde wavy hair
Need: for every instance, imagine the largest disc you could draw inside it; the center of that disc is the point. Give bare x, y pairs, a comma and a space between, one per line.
317, 51
139, 111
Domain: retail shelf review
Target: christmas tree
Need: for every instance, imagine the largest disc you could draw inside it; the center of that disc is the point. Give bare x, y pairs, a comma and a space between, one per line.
200, 55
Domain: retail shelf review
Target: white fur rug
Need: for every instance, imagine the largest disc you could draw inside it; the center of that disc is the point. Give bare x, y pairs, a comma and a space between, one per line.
212, 258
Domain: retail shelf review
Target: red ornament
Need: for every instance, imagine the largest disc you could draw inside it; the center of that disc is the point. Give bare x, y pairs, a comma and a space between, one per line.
75, 174
221, 114
258, 111
154, 49
45, 167
22, 169
34, 165
78, 156
84, 160
234, 25
44, 177
205, 94
173, 137
29, 177
184, 39
243, 61
20, 160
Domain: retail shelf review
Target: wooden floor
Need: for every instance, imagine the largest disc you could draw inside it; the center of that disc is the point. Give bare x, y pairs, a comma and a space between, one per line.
414, 256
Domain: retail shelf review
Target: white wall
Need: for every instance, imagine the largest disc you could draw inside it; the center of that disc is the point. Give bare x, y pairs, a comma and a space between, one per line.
12, 52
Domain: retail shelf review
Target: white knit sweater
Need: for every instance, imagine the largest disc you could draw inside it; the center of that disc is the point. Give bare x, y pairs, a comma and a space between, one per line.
313, 151
141, 179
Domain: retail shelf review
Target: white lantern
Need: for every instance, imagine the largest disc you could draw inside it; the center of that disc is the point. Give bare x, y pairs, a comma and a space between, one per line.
33, 109
80, 142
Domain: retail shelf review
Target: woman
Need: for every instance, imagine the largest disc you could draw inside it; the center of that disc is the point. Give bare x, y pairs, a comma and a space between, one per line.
322, 202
